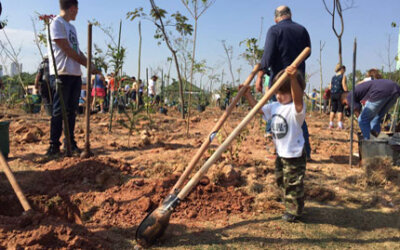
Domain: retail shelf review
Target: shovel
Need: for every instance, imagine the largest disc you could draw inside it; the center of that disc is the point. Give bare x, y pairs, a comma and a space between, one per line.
156, 222
214, 131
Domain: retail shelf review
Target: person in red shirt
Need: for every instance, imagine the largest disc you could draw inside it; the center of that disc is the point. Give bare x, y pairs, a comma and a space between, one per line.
326, 97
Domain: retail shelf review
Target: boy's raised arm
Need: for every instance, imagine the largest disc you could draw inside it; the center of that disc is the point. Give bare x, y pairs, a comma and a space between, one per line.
297, 91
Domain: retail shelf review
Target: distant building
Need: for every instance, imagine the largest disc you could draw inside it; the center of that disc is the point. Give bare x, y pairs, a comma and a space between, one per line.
15, 70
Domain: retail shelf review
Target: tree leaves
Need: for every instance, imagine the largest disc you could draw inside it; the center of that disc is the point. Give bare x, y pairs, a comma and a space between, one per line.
181, 24
177, 20
136, 13
252, 53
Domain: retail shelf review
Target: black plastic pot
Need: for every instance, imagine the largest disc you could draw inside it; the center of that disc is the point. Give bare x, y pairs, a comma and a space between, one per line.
201, 107
31, 108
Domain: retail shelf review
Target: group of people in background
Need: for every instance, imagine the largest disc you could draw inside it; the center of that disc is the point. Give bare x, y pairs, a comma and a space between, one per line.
374, 97
105, 91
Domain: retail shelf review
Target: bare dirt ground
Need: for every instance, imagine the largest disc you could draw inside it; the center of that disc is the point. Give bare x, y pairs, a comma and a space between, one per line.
98, 203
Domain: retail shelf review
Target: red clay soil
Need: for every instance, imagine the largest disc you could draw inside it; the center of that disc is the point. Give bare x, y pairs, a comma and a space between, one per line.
98, 203
77, 201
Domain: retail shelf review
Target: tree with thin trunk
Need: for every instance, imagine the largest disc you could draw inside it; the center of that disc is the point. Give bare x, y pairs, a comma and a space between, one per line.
321, 47
37, 41
337, 10
195, 9
117, 53
229, 55
13, 55
139, 64
157, 17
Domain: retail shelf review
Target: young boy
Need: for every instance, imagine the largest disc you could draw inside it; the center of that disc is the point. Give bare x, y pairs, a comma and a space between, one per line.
288, 115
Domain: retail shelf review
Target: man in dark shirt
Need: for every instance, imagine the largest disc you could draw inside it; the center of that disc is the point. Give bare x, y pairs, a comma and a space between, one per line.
380, 95
285, 41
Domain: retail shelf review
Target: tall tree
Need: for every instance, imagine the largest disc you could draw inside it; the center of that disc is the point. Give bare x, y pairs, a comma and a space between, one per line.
195, 10
337, 10
139, 65
229, 55
157, 17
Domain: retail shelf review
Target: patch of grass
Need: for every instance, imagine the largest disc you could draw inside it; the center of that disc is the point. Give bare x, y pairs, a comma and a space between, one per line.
54, 201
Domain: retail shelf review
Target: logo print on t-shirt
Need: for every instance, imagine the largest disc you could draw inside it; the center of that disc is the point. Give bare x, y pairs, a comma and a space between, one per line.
73, 40
279, 126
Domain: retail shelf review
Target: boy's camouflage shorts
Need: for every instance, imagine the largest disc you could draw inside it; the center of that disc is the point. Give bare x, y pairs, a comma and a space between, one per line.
289, 174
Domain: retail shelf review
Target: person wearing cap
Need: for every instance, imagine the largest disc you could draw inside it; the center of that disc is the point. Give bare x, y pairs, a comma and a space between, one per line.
68, 61
337, 86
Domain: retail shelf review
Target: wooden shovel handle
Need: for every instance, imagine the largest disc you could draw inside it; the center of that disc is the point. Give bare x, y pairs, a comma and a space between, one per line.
17, 189
222, 148
207, 141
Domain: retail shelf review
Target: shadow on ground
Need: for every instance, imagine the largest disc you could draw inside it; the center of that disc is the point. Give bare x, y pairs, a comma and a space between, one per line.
179, 236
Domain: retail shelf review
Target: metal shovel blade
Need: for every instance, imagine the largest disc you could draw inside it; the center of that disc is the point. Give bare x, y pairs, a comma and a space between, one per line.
155, 223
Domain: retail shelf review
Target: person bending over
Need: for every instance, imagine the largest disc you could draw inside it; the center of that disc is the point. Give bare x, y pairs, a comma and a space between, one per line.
379, 96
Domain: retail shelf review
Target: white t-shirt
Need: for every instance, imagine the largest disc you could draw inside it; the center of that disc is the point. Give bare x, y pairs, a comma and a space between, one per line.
151, 88
61, 29
286, 128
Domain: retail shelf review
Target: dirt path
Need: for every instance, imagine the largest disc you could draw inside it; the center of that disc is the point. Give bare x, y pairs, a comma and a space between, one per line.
99, 202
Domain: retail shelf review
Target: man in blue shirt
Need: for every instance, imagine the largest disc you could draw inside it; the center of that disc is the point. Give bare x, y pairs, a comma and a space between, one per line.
379, 96
285, 41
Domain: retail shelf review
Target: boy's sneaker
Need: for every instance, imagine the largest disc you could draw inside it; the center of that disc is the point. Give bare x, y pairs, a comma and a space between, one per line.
52, 151
289, 217
330, 127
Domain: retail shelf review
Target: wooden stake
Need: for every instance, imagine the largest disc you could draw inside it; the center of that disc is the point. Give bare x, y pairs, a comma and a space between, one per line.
86, 152
352, 101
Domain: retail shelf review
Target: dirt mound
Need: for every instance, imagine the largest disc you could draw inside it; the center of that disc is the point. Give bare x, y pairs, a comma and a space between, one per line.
378, 170
27, 133
75, 198
43, 232
225, 175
